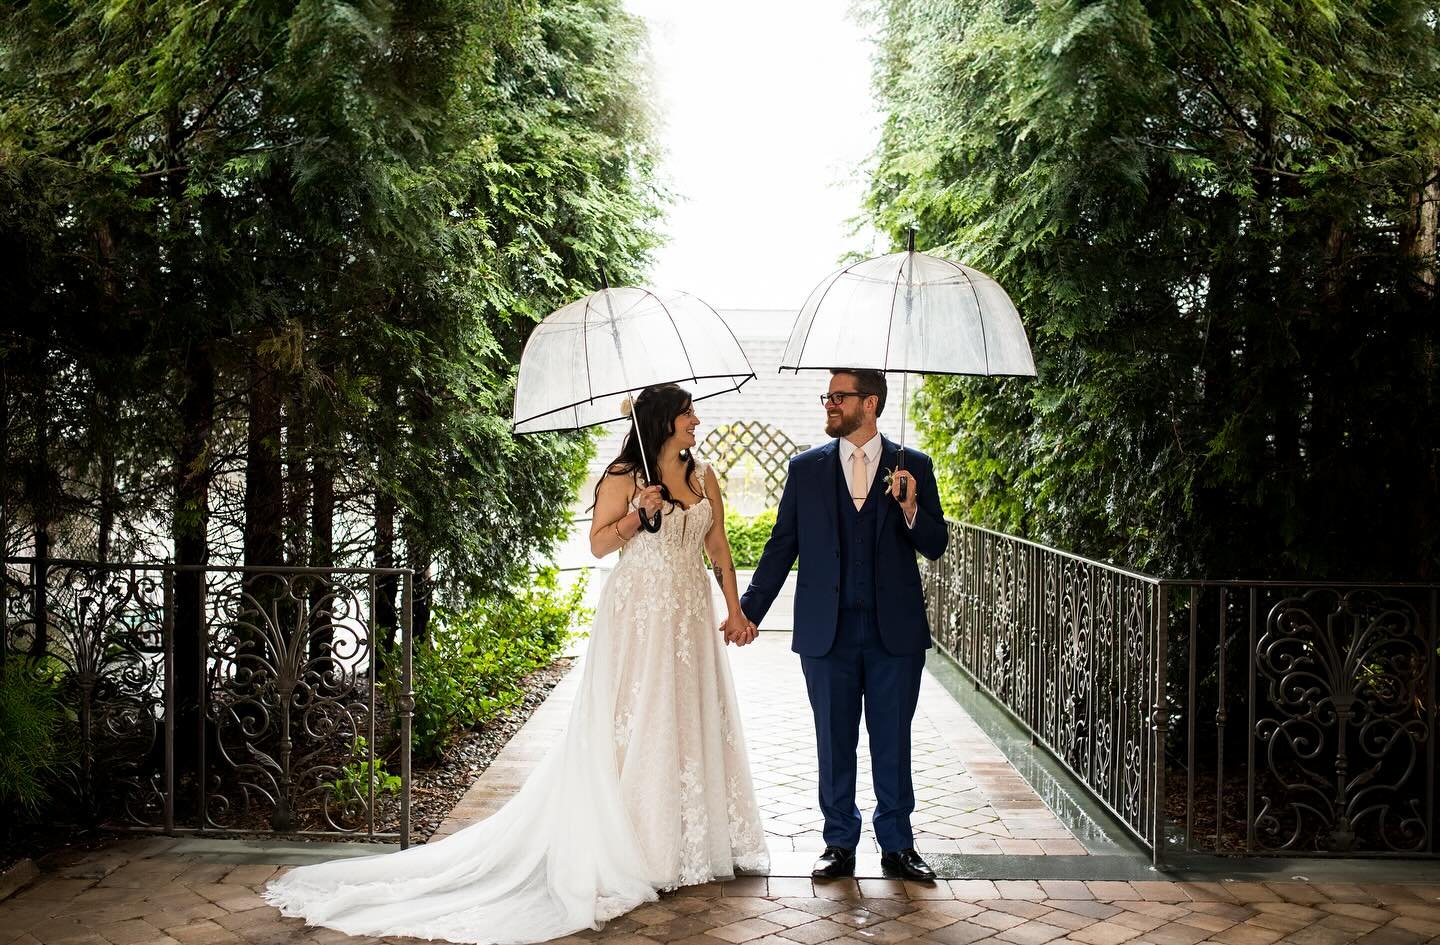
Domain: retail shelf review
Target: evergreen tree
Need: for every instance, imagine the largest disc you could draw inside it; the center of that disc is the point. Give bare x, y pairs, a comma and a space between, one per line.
1219, 226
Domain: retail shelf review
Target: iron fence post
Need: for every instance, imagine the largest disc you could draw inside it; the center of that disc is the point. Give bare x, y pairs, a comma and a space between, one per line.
406, 703
1160, 716
167, 645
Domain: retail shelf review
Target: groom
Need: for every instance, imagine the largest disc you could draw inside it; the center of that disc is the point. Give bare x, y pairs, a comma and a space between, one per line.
860, 624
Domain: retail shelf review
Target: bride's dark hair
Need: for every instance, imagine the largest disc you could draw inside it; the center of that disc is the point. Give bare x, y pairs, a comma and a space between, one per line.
654, 409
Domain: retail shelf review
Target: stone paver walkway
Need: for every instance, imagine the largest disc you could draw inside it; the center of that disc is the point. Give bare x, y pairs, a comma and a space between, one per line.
969, 798
164, 891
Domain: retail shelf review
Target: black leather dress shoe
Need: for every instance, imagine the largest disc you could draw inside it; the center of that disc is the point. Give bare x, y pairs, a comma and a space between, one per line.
834, 863
906, 864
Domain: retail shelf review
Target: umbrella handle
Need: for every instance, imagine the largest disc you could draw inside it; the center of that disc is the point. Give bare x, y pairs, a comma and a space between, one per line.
904, 483
650, 525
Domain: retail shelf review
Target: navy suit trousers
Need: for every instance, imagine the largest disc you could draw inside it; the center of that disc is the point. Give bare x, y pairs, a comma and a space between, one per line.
859, 674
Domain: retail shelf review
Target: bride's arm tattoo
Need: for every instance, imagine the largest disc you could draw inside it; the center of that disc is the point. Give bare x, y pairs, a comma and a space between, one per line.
719, 571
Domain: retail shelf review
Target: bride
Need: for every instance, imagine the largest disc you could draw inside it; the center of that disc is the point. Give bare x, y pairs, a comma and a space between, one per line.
650, 787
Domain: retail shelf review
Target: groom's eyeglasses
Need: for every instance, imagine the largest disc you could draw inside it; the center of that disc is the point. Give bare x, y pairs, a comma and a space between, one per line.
838, 398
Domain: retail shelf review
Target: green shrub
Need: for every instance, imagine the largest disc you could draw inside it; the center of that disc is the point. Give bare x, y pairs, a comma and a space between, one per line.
470, 667
748, 536
354, 781
32, 726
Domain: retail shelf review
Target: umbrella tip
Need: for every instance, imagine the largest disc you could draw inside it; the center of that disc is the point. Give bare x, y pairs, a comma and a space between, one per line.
910, 242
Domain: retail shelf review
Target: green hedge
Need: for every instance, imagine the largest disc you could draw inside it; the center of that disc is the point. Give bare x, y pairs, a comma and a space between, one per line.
469, 668
748, 536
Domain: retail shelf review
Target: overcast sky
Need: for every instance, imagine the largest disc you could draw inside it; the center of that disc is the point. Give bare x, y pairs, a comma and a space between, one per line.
766, 118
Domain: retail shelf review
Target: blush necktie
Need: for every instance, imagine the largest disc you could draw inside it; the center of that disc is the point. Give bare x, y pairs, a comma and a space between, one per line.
859, 478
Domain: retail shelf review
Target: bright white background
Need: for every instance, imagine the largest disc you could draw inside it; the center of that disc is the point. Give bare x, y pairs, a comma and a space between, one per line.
766, 118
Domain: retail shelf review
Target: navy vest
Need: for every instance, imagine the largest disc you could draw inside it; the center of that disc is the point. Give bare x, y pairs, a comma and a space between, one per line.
857, 547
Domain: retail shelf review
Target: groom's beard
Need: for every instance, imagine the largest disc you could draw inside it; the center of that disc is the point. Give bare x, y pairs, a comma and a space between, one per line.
842, 424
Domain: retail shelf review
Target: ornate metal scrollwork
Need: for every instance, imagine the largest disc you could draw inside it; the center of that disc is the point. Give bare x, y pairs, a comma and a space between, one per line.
286, 715
289, 693
104, 638
1346, 721
1067, 645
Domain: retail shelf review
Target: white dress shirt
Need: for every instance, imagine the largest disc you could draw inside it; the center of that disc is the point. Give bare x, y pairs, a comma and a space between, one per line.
847, 463
872, 459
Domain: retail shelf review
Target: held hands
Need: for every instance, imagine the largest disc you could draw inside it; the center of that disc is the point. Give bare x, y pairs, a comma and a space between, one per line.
911, 502
738, 629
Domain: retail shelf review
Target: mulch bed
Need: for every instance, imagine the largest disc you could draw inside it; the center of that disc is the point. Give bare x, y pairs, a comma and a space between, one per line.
434, 792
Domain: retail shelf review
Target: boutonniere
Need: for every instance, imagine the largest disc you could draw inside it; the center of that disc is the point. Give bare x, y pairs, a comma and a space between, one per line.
890, 477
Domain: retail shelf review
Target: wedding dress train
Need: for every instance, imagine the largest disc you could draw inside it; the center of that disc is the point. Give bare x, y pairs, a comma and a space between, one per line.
648, 790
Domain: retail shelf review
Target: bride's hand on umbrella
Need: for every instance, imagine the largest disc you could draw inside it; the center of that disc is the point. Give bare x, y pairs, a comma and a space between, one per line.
651, 500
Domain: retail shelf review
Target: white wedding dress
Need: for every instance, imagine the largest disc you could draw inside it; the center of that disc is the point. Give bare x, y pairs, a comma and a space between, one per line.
649, 789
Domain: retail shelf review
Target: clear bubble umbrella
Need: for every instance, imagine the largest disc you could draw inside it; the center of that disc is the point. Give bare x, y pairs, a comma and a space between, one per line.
583, 359
909, 313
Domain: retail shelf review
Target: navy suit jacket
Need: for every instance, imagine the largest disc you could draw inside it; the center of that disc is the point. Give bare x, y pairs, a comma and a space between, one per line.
807, 525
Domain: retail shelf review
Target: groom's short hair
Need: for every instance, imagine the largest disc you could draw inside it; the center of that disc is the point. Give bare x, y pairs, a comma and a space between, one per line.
869, 383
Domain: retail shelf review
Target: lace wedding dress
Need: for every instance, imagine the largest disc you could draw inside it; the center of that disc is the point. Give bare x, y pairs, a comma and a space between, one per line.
649, 789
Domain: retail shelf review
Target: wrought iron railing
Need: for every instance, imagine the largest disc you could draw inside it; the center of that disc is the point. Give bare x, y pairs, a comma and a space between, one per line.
1305, 718
1251, 718
1071, 648
231, 700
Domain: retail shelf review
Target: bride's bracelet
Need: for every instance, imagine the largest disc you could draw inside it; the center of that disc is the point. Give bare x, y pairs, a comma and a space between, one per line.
615, 527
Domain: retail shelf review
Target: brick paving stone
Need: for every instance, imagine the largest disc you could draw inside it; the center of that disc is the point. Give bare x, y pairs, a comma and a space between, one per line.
1252, 892
890, 932
1069, 920
925, 919
1104, 933
1206, 922
1137, 921
1024, 908
1303, 893
676, 929
1162, 910
791, 886
1320, 935
1105, 891
961, 933
1391, 936
813, 933
745, 886
1357, 911
745, 931
1019, 889
1415, 909
999, 921
1160, 892
1233, 911
1207, 892
1065, 889
1349, 924
820, 908
936, 890
837, 889
883, 889
1247, 934
1176, 933
1426, 927
1088, 908
974, 889
1032, 933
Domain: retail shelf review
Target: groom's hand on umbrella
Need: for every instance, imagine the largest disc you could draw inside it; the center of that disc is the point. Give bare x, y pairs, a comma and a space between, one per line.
911, 501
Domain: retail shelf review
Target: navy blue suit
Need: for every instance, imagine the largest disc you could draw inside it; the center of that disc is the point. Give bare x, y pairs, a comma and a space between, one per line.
860, 625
